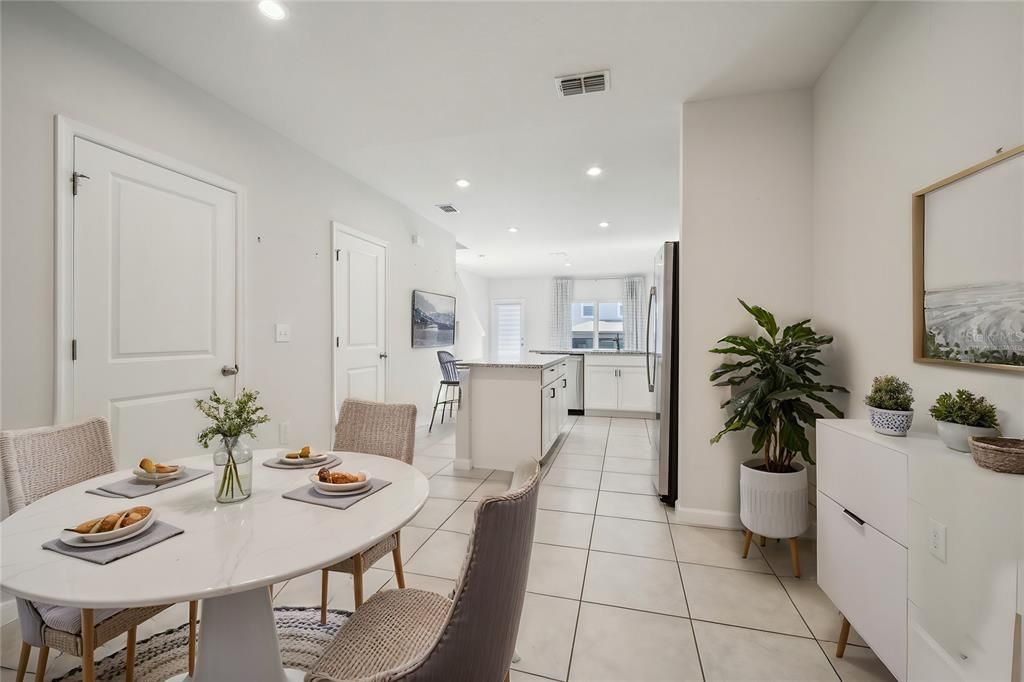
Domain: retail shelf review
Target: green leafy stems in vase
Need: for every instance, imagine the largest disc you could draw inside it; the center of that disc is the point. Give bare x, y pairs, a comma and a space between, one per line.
230, 420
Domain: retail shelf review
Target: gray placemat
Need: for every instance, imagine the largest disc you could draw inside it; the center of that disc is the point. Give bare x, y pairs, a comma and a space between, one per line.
331, 461
104, 554
308, 493
132, 487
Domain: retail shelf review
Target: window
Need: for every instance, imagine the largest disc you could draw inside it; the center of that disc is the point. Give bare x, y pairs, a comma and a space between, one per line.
507, 325
601, 331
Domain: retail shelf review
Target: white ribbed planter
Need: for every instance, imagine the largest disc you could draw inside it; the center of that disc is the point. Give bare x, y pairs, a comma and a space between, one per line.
958, 437
773, 505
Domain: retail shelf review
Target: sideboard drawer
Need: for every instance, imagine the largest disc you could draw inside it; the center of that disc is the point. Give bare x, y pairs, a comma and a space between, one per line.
865, 477
864, 573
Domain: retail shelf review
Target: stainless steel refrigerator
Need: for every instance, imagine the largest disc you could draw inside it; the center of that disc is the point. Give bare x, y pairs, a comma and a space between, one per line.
662, 367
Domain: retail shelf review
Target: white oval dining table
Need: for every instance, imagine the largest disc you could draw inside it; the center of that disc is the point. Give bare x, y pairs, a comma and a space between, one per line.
227, 556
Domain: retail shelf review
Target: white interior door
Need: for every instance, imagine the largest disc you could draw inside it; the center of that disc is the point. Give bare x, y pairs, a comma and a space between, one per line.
360, 316
507, 329
154, 299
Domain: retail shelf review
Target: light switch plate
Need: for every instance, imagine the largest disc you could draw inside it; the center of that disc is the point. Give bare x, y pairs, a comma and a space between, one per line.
937, 540
282, 332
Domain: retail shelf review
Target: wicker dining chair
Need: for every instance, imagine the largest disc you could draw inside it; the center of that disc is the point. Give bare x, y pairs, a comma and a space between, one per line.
374, 429
415, 635
37, 462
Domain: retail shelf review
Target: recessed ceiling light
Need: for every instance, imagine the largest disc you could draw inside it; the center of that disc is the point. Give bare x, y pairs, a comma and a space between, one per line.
513, 229
594, 171
482, 256
568, 265
462, 182
272, 9
602, 224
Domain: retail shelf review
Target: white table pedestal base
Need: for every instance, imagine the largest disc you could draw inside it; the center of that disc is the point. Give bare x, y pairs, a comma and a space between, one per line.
238, 641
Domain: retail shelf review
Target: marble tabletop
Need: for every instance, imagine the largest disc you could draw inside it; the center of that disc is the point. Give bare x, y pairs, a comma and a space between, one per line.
225, 549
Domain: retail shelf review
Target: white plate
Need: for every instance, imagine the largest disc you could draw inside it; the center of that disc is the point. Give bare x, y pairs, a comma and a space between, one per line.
70, 537
340, 487
147, 477
313, 458
344, 493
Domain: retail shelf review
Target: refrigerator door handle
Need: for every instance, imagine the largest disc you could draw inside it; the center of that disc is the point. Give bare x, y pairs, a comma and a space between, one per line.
647, 355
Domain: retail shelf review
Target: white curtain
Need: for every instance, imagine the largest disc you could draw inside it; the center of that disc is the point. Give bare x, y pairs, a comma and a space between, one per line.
634, 312
561, 313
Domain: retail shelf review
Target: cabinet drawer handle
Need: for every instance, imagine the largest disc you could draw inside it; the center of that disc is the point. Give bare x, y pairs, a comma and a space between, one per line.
565, 383
552, 393
858, 520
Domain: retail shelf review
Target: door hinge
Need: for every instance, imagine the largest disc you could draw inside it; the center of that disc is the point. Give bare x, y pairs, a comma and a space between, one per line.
76, 178
74, 349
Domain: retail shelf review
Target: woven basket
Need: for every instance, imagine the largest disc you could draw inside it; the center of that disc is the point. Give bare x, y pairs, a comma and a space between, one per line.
1005, 455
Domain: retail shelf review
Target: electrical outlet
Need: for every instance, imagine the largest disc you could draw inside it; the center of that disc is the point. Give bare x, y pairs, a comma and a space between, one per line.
282, 332
937, 540
282, 433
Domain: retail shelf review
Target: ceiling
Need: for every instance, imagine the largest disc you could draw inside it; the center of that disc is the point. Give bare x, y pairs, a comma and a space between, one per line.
410, 96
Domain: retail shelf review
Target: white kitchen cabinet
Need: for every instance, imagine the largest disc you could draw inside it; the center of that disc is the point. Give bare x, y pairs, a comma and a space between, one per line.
601, 388
634, 392
617, 383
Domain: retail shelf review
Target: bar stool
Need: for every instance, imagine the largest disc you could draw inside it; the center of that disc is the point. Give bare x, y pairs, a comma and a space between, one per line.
449, 380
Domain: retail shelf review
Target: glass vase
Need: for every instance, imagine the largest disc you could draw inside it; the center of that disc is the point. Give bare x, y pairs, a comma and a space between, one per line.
232, 470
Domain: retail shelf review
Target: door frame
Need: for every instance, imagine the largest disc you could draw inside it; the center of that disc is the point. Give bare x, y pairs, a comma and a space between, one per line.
492, 344
338, 228
65, 131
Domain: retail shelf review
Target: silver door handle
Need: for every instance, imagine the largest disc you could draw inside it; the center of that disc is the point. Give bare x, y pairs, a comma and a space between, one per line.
229, 371
647, 354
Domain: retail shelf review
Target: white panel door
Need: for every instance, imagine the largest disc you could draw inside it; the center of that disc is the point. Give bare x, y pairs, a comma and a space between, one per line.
360, 317
507, 336
154, 300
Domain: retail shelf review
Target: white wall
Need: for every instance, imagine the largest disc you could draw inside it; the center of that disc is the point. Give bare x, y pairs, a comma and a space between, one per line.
746, 233
920, 91
472, 315
54, 63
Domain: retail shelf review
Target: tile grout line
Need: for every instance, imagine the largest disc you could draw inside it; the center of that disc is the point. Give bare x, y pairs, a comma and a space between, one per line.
686, 600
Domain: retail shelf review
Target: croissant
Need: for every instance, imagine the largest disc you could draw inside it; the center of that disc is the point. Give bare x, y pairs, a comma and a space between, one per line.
121, 519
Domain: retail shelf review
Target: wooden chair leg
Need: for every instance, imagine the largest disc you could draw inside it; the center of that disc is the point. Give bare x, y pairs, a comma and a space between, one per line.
193, 617
129, 657
794, 552
26, 651
357, 580
764, 541
88, 646
396, 555
44, 653
747, 537
325, 578
844, 635
507, 673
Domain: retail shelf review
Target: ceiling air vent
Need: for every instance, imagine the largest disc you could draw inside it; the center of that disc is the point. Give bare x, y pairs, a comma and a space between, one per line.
447, 208
582, 83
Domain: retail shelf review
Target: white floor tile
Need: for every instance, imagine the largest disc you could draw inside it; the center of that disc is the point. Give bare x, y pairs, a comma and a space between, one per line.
440, 556
633, 448
628, 465
730, 653
546, 631
752, 600
821, 615
613, 645
557, 571
635, 583
629, 536
629, 506
412, 538
858, 664
514, 676
442, 586
479, 474
429, 465
489, 488
452, 488
573, 478
563, 528
778, 556
443, 450
567, 460
503, 476
435, 511
567, 499
462, 520
714, 547
638, 484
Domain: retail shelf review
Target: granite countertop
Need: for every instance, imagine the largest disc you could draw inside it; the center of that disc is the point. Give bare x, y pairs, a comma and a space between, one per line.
589, 351
531, 360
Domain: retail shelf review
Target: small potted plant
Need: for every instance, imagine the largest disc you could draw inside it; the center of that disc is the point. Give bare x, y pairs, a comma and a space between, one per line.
778, 396
889, 405
232, 460
963, 415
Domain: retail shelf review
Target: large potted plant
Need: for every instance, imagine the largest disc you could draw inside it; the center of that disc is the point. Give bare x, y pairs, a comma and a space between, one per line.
777, 395
963, 415
230, 420
889, 405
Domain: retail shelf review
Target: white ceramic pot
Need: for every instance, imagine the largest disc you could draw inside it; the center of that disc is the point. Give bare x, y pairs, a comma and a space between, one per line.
890, 422
773, 505
958, 436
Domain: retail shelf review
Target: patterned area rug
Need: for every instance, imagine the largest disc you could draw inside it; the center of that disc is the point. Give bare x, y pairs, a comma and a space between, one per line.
303, 639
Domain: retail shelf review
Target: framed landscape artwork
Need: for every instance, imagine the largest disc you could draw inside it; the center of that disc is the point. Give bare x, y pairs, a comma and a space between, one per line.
433, 319
969, 266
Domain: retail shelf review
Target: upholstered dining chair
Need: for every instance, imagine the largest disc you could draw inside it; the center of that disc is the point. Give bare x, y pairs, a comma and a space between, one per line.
415, 635
37, 462
374, 429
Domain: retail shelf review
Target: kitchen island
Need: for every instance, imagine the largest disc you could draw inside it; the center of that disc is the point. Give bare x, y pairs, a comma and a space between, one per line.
605, 382
512, 409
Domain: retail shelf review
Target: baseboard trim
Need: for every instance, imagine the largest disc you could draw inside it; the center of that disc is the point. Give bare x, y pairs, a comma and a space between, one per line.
709, 518
625, 414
